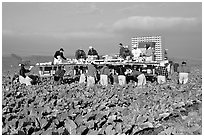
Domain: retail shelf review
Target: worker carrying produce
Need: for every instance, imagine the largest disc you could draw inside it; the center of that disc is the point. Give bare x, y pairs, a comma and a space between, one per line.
59, 56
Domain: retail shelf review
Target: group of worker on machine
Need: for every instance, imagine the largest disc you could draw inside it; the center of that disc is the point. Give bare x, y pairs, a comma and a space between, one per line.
119, 74
125, 53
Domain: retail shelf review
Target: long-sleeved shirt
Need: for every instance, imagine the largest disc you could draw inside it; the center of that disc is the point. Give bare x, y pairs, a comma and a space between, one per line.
80, 54
149, 52
120, 70
58, 53
105, 71
184, 69
92, 52
23, 71
91, 70
162, 71
121, 51
136, 52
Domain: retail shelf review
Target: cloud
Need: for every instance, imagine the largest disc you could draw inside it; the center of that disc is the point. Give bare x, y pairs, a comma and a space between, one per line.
83, 35
62, 35
154, 23
88, 8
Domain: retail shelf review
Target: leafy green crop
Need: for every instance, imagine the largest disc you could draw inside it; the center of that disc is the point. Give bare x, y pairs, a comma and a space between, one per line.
71, 109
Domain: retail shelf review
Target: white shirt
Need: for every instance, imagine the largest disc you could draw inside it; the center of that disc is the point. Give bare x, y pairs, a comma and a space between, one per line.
136, 52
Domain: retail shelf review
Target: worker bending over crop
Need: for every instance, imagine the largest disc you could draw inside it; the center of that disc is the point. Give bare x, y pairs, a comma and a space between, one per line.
91, 75
105, 72
23, 79
59, 56
162, 73
183, 73
140, 77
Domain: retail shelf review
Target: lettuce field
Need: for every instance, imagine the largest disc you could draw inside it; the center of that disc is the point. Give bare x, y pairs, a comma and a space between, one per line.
71, 109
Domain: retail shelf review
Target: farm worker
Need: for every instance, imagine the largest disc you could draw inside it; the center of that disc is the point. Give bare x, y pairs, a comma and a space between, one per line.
121, 50
149, 53
162, 73
82, 78
140, 77
59, 74
23, 79
80, 54
121, 75
92, 53
59, 56
105, 72
183, 73
136, 52
127, 53
91, 75
176, 66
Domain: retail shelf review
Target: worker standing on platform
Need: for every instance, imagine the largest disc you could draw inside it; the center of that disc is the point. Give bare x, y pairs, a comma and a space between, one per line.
92, 53
136, 52
121, 50
80, 54
149, 53
59, 56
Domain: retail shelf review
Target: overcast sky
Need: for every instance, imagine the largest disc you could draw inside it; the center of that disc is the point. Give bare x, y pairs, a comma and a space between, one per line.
42, 28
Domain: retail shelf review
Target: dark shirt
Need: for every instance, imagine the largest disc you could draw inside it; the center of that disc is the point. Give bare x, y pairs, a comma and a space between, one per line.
80, 54
58, 53
121, 70
23, 71
121, 51
92, 52
176, 65
60, 73
162, 71
126, 52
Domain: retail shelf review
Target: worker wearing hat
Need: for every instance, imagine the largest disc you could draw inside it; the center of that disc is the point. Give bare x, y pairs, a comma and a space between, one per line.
59, 56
